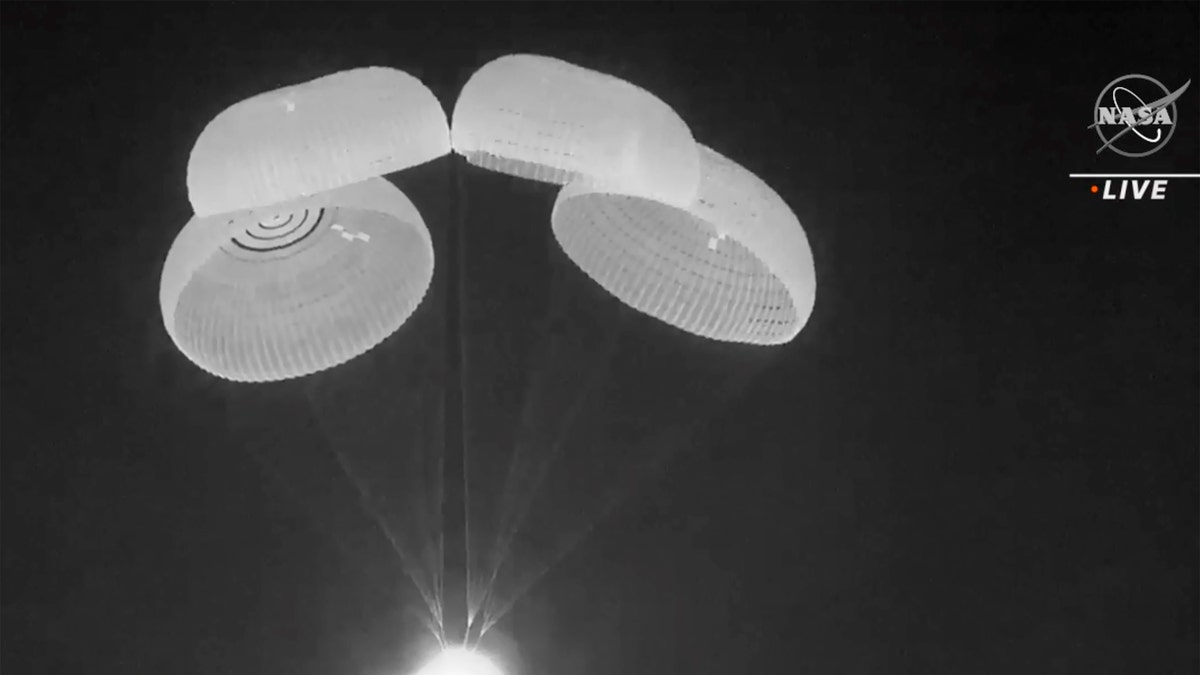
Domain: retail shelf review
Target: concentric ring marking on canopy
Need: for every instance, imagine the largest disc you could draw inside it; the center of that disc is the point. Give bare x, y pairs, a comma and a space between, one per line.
734, 266
301, 140
278, 232
288, 290
548, 120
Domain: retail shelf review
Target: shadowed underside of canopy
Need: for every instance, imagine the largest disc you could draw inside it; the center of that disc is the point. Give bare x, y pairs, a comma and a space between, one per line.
290, 289
734, 265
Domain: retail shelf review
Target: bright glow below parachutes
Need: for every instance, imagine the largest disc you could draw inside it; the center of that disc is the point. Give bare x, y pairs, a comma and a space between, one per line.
734, 265
297, 287
548, 120
301, 140
460, 661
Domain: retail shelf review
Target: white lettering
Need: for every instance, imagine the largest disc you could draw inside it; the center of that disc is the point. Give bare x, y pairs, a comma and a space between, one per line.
1139, 189
1139, 117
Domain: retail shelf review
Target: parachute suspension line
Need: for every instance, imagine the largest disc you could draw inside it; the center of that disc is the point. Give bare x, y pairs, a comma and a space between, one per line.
567, 543
428, 588
514, 517
572, 540
485, 602
440, 565
297, 496
370, 504
434, 626
491, 617
456, 557
669, 442
461, 344
514, 520
441, 551
516, 485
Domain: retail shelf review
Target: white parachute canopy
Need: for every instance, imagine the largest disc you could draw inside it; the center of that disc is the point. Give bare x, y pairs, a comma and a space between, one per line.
300, 140
289, 289
300, 257
734, 265
548, 120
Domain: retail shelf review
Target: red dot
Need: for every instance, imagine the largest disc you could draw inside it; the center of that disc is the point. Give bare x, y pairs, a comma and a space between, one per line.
1095, 188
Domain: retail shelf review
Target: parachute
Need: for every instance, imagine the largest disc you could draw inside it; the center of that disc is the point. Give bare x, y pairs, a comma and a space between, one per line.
548, 120
282, 272
290, 289
301, 140
669, 226
734, 265
300, 257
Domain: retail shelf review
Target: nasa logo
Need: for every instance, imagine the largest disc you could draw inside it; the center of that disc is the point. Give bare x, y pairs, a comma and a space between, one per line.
1143, 109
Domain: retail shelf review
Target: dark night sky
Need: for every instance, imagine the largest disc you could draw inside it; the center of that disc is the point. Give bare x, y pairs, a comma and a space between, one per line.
979, 456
